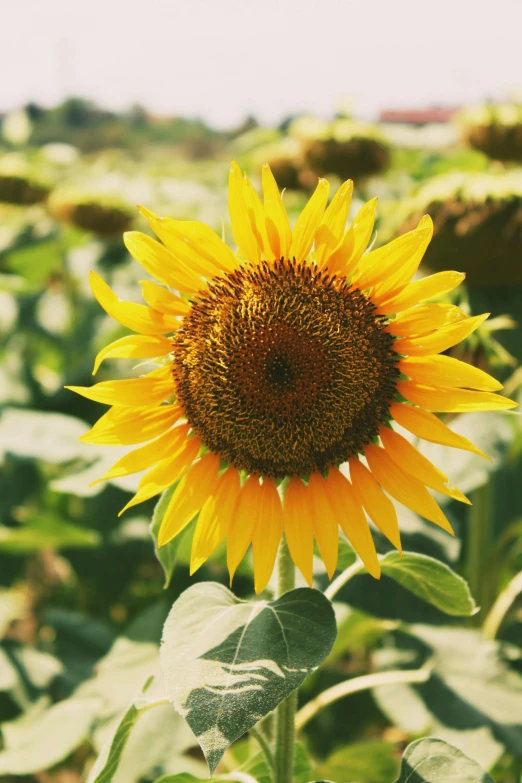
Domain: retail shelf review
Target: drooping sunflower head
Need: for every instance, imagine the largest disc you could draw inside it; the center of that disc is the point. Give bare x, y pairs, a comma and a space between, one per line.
284, 367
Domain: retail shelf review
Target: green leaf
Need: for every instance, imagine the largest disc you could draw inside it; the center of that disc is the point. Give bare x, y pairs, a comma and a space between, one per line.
473, 688
45, 531
160, 739
227, 663
28, 434
160, 736
49, 738
167, 554
347, 556
434, 761
117, 746
36, 261
26, 671
185, 777
258, 768
492, 432
366, 762
127, 663
78, 641
355, 630
431, 580
107, 766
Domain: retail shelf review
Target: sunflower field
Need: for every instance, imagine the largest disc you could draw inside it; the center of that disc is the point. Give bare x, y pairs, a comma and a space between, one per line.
278, 535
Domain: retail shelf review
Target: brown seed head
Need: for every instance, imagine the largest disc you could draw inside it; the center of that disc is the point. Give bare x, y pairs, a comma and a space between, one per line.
283, 369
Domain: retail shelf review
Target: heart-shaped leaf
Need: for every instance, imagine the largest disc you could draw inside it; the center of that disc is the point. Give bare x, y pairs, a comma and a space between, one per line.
45, 739
227, 663
434, 761
431, 580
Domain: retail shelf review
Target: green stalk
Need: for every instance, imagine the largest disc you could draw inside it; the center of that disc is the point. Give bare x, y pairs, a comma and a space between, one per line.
479, 546
285, 713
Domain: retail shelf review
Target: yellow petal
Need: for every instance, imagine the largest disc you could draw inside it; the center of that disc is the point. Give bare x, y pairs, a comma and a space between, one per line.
204, 249
135, 346
378, 506
415, 464
362, 228
257, 217
424, 319
240, 219
350, 516
191, 244
440, 340
452, 400
165, 473
277, 223
308, 222
162, 299
127, 426
379, 267
159, 262
242, 525
132, 392
299, 532
266, 535
421, 291
324, 521
406, 489
427, 426
139, 318
215, 518
198, 484
148, 455
339, 261
400, 273
447, 371
331, 228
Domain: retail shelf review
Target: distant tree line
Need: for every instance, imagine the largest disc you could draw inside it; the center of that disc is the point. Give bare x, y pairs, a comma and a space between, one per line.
81, 122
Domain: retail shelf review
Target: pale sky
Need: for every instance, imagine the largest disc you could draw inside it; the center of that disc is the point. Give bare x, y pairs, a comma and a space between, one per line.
223, 59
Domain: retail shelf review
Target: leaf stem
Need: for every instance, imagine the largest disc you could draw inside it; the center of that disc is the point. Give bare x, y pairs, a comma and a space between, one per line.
479, 548
394, 677
285, 715
342, 579
265, 747
502, 606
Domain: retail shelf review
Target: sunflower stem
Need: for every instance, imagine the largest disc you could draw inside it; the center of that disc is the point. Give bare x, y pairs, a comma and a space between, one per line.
479, 548
285, 714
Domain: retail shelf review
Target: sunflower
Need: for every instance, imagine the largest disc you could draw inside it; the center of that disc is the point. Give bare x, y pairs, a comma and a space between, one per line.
282, 370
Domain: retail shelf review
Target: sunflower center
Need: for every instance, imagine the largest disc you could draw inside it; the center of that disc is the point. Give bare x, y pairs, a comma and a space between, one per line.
279, 372
283, 369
